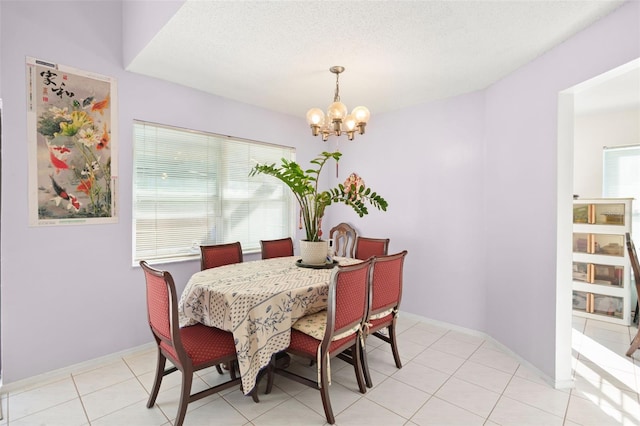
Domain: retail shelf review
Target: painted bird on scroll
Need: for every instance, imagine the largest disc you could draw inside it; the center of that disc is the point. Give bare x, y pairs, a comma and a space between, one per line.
62, 194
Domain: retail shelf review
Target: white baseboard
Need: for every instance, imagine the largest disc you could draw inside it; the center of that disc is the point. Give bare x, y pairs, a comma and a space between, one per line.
55, 375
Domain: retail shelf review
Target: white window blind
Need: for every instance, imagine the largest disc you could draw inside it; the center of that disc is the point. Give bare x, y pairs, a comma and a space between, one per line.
621, 178
192, 188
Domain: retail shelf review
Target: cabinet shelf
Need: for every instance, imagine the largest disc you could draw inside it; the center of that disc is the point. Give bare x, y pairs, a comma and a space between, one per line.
599, 306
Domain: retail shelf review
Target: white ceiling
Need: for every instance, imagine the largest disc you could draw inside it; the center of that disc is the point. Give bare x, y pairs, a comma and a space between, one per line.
277, 54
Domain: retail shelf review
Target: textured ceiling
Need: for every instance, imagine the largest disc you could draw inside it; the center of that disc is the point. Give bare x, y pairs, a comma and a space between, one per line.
276, 54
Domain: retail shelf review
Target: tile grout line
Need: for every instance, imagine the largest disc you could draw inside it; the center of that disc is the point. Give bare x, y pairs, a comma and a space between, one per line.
145, 389
84, 409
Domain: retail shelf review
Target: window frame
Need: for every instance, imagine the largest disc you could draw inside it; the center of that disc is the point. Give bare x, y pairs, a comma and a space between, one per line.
611, 182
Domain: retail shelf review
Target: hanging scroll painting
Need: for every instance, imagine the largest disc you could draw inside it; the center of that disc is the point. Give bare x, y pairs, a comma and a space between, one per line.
71, 122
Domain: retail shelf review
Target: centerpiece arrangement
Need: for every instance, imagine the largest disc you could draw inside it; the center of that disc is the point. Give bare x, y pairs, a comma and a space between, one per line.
312, 202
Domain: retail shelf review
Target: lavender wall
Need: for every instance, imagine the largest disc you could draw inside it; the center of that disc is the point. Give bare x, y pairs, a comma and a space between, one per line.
521, 175
427, 162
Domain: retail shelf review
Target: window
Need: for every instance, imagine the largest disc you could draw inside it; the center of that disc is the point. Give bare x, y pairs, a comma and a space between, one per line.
192, 188
621, 178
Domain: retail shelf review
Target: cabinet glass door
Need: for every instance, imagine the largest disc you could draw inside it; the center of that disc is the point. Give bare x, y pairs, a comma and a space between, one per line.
581, 272
612, 245
580, 243
610, 275
581, 213
608, 214
607, 305
580, 301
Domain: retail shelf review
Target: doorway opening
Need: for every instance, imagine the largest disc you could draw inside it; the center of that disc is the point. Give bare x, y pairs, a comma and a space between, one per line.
608, 91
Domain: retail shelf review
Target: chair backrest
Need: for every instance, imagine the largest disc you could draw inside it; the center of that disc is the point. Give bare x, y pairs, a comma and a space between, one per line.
214, 255
282, 247
162, 310
348, 298
633, 258
386, 282
367, 247
344, 237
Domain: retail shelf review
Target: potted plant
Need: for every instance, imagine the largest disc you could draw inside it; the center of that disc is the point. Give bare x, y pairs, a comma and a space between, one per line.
312, 202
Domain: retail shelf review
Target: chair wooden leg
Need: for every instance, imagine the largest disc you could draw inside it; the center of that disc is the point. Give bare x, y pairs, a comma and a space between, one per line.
254, 393
187, 380
635, 344
394, 344
157, 381
219, 369
365, 366
270, 373
232, 370
324, 391
357, 365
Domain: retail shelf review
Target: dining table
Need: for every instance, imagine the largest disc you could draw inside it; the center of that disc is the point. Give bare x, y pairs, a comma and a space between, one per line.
257, 301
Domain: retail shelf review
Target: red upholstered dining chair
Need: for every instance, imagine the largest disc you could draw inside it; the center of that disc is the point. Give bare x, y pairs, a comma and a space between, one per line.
215, 255
367, 247
635, 266
344, 237
326, 334
386, 293
282, 247
189, 348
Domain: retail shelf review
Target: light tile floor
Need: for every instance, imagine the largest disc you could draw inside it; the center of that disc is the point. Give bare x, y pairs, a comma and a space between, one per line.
448, 378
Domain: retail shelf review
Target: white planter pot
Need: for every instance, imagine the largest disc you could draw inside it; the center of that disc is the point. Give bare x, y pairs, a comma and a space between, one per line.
314, 252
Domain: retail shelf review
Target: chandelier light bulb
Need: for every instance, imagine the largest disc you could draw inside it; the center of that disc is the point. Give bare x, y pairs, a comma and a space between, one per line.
361, 114
315, 117
337, 111
349, 123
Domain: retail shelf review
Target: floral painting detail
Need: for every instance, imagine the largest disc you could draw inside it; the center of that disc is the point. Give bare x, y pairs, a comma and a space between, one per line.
71, 121
353, 186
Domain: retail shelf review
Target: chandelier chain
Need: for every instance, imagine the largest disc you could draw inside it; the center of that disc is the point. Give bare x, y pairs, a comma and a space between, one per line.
336, 96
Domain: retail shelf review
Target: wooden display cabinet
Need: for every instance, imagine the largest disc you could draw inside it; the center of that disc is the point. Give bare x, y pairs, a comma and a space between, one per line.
601, 269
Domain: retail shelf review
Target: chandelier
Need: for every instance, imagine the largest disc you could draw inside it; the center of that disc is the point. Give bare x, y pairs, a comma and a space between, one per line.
337, 120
